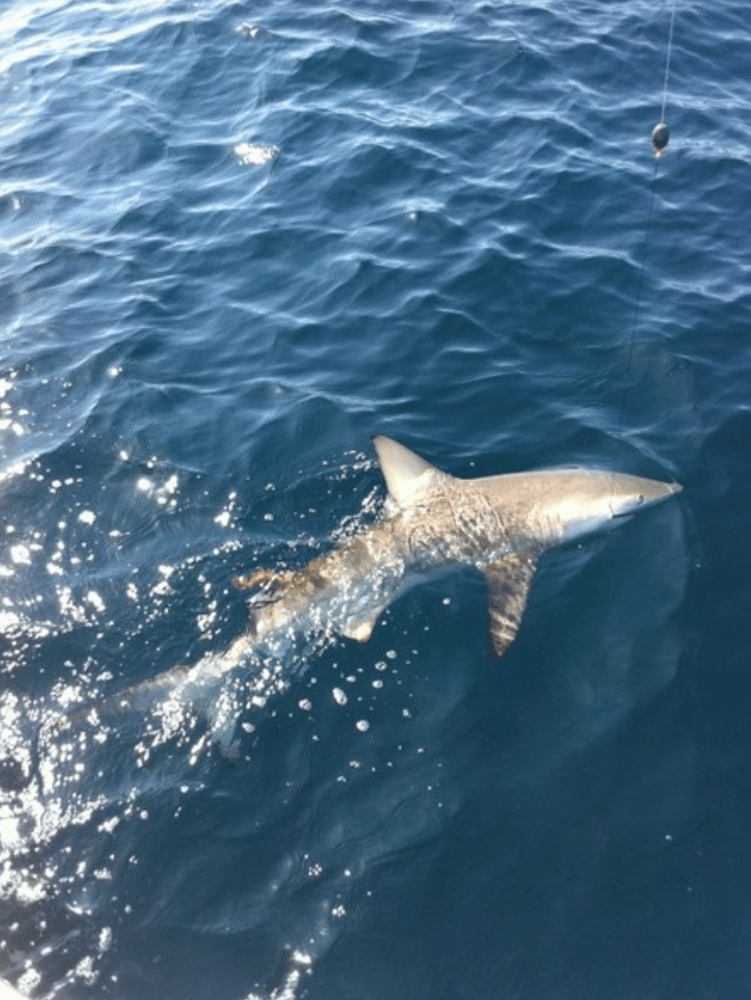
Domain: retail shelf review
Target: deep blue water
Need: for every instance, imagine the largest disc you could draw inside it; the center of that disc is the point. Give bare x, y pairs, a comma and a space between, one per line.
235, 242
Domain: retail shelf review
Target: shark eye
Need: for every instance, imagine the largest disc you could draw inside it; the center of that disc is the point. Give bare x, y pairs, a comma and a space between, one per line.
640, 498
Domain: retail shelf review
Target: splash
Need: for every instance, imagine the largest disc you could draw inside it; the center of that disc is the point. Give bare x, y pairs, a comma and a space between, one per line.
252, 154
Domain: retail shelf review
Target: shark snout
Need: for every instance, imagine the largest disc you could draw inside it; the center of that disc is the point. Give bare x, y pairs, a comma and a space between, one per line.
654, 491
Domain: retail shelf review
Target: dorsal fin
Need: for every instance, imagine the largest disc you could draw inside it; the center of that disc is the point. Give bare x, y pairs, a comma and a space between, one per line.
406, 474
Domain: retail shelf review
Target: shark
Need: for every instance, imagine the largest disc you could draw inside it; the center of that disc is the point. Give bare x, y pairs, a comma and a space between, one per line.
430, 523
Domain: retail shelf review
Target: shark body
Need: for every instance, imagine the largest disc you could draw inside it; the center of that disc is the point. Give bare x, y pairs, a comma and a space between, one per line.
431, 522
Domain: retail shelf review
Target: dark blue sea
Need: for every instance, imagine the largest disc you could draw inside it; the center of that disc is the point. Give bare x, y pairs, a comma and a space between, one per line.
236, 241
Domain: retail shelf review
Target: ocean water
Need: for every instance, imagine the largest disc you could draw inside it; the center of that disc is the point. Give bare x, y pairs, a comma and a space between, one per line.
235, 242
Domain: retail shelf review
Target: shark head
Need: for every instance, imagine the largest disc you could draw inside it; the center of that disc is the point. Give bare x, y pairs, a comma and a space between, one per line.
562, 504
594, 499
629, 494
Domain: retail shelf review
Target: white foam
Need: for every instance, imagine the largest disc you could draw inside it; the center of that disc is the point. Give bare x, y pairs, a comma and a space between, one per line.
252, 154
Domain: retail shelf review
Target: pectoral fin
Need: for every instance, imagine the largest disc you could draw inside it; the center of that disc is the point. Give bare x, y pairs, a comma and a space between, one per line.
361, 630
508, 581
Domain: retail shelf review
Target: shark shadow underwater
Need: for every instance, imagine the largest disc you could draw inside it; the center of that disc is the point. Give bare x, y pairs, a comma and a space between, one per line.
430, 523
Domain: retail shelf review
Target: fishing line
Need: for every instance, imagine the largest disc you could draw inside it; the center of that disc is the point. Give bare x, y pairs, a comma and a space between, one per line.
667, 72
660, 138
